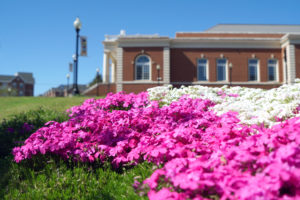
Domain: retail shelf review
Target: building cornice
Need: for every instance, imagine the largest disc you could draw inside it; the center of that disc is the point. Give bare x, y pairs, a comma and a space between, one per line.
144, 42
270, 43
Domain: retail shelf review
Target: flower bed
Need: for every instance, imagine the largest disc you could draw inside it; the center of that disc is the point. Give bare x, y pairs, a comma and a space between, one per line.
204, 151
255, 106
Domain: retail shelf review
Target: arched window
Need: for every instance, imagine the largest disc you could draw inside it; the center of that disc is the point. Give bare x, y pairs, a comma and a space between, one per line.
142, 68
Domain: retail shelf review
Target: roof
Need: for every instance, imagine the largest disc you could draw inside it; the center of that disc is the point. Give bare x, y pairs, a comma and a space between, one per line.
27, 77
254, 28
6, 78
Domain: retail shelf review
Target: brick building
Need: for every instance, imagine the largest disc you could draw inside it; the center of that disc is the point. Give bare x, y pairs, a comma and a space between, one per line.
63, 91
21, 84
263, 56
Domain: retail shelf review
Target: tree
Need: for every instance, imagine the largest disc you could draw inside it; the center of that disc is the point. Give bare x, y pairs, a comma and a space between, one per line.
94, 81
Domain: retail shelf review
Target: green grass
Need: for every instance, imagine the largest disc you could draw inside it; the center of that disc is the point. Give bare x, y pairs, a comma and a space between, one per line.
49, 177
10, 106
57, 180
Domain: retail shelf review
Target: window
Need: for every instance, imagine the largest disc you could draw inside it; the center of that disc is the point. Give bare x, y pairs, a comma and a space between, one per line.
272, 70
252, 69
221, 69
21, 85
142, 68
202, 70
14, 84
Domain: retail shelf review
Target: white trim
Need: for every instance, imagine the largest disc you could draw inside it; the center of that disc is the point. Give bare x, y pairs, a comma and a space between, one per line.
144, 42
119, 86
291, 60
166, 66
196, 42
105, 67
113, 71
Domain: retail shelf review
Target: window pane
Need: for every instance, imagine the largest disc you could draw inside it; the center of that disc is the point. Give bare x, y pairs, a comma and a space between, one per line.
142, 59
202, 73
143, 68
221, 61
221, 73
252, 73
221, 69
253, 61
252, 69
202, 69
202, 61
272, 62
146, 72
271, 73
139, 72
272, 66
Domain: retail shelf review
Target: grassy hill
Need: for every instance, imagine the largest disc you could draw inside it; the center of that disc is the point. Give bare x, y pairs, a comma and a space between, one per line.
10, 106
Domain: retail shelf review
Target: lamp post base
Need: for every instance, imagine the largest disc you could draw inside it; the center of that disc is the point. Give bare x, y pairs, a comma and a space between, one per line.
76, 91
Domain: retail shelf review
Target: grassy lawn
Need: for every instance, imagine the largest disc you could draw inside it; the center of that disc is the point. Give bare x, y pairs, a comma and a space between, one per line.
14, 105
48, 177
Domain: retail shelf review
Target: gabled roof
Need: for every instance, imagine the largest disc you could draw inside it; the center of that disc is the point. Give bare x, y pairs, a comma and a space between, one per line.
6, 78
254, 28
27, 77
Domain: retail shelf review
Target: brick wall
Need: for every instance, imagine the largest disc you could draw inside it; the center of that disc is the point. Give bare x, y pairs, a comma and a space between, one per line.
28, 90
184, 62
136, 88
103, 89
241, 85
129, 56
297, 55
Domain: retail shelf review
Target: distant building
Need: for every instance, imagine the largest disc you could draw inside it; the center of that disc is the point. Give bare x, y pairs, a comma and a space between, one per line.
63, 91
21, 84
261, 56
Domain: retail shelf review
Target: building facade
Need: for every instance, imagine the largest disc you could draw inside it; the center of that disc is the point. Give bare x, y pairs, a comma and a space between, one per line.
21, 84
63, 91
263, 56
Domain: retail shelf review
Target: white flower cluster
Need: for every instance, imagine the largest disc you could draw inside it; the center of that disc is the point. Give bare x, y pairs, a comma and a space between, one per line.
255, 106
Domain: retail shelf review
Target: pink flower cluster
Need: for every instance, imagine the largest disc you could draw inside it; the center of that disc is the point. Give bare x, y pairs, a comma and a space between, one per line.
203, 155
262, 166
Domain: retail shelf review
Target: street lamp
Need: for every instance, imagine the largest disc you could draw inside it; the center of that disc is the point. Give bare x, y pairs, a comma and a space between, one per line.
98, 80
68, 78
158, 77
77, 25
230, 71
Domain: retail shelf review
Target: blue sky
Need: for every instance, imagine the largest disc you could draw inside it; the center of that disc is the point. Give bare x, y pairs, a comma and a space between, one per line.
38, 35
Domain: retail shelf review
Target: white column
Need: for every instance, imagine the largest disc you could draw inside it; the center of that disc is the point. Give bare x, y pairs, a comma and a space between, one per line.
113, 71
291, 63
284, 64
119, 84
105, 67
166, 67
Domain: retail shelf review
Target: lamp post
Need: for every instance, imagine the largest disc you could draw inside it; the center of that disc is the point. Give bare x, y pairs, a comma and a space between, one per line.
77, 25
98, 80
230, 71
158, 77
68, 78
